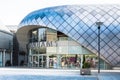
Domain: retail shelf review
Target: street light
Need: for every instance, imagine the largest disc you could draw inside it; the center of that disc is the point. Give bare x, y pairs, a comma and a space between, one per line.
98, 25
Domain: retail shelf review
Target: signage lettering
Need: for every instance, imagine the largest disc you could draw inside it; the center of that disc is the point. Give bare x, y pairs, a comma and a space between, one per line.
43, 44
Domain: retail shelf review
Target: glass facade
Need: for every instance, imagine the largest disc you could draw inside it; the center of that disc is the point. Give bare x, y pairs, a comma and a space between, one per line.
78, 22
66, 54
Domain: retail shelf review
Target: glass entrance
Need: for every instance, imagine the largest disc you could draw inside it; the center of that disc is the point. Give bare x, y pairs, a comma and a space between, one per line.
37, 61
42, 61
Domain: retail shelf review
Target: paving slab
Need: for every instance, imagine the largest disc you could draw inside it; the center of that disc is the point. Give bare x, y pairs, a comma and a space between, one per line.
55, 74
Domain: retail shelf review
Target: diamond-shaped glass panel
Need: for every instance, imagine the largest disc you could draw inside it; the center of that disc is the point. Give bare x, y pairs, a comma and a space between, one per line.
78, 22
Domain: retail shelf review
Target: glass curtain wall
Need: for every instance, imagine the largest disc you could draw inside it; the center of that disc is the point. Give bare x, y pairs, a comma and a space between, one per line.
37, 55
66, 54
42, 34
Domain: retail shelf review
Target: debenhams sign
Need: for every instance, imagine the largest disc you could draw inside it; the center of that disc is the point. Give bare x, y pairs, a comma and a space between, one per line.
43, 44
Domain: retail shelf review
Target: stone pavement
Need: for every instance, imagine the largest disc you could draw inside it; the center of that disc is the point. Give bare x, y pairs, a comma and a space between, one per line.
109, 76
55, 74
38, 77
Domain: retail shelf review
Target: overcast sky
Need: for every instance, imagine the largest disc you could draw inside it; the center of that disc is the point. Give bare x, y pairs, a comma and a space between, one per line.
13, 11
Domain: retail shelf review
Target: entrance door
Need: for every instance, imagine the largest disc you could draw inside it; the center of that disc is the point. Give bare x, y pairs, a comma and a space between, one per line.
42, 61
37, 61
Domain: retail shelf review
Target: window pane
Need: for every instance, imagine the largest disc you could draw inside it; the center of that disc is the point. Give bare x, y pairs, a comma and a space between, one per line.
42, 34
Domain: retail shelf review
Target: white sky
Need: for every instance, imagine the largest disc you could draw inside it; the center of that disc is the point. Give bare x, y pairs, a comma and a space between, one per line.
13, 11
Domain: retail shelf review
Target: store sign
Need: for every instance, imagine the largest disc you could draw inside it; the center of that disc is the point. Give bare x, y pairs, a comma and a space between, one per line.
43, 44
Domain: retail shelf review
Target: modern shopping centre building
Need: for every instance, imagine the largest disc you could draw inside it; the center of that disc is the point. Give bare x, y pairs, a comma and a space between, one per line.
65, 36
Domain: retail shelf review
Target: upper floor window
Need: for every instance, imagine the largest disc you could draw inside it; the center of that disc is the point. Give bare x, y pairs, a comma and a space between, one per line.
42, 34
34, 36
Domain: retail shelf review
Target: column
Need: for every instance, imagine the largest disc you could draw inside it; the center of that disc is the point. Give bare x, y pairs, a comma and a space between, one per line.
47, 61
1, 63
11, 58
32, 61
4, 57
58, 60
81, 56
29, 58
81, 62
30, 51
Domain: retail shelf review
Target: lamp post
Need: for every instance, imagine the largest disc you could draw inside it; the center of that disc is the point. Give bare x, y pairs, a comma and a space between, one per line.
98, 25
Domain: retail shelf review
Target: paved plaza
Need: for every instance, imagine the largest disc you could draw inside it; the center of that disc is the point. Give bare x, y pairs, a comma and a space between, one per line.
55, 74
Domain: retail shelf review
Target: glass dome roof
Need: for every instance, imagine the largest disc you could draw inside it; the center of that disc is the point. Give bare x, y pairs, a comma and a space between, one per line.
79, 23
